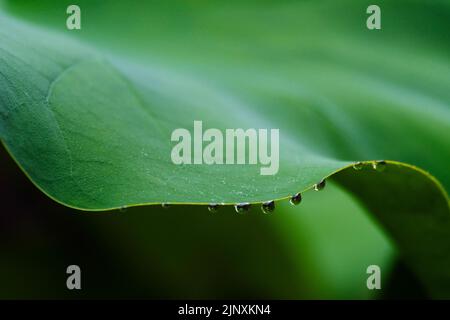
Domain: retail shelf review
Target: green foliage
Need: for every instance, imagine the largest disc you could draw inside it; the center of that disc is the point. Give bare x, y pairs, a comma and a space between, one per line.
90, 124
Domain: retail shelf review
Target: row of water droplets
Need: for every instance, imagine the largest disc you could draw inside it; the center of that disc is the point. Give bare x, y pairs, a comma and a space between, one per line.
378, 165
269, 206
266, 207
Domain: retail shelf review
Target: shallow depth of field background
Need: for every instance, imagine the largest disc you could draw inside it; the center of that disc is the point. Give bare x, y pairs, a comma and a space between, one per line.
319, 249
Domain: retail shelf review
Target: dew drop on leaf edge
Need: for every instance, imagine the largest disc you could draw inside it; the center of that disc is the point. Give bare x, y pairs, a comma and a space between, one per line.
242, 207
213, 207
319, 186
379, 165
358, 166
268, 207
296, 199
165, 205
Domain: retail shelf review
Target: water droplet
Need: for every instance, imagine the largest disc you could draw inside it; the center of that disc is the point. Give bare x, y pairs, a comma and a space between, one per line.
165, 205
296, 199
358, 166
213, 207
242, 207
319, 186
122, 209
268, 207
379, 165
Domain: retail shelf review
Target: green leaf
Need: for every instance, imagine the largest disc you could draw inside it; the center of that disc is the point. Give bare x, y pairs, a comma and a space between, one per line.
90, 124
94, 133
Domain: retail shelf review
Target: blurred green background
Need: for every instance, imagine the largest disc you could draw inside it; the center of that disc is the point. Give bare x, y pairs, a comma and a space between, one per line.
320, 249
